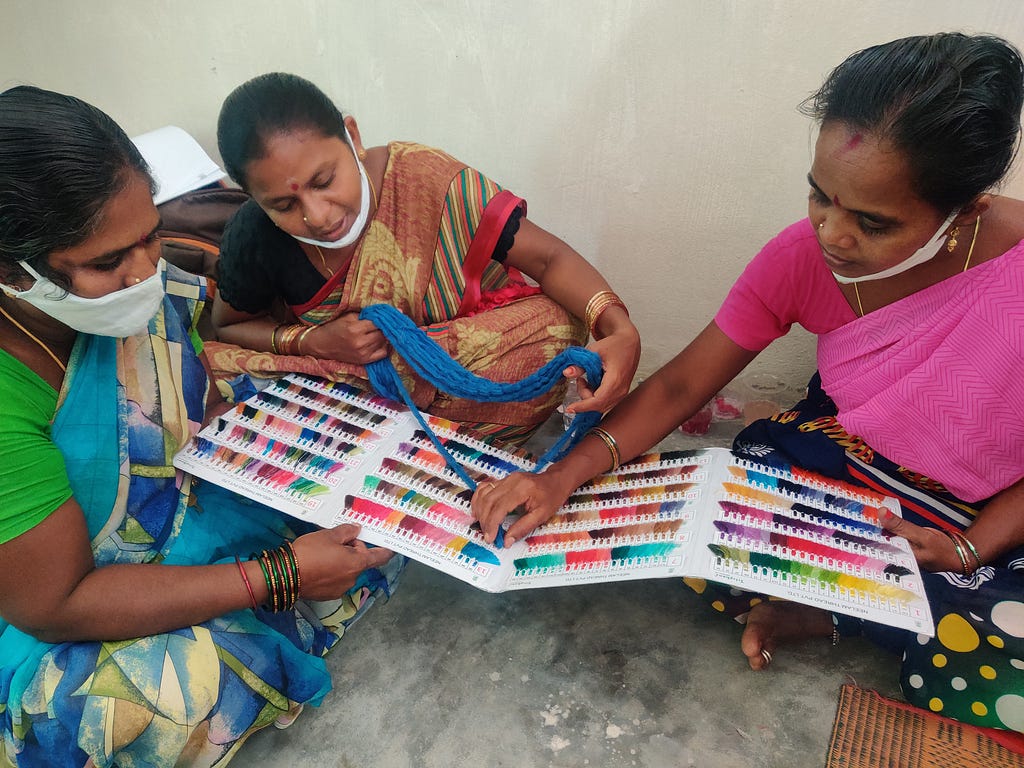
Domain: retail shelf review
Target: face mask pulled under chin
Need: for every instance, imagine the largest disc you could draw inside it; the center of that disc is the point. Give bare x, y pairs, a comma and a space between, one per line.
122, 313
925, 253
364, 210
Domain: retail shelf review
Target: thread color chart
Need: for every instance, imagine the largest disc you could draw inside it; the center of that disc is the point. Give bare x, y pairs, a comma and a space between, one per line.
330, 453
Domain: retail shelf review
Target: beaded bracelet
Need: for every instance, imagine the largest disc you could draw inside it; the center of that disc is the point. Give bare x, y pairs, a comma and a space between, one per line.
598, 303
610, 443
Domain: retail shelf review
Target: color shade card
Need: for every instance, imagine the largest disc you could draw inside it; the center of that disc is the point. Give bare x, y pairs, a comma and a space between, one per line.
585, 518
457, 549
665, 459
276, 480
658, 476
352, 412
782, 569
673, 492
412, 501
806, 550
798, 523
605, 559
810, 480
612, 536
472, 456
843, 521
425, 480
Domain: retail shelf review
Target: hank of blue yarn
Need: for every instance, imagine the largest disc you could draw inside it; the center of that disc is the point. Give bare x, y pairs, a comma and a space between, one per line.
430, 361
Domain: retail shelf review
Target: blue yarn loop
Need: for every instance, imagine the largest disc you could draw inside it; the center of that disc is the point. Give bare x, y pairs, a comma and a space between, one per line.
430, 361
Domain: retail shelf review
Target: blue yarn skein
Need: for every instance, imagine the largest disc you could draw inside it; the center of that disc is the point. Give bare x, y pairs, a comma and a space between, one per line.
430, 361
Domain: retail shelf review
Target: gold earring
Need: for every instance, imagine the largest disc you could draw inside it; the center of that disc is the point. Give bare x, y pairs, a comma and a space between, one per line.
951, 245
362, 154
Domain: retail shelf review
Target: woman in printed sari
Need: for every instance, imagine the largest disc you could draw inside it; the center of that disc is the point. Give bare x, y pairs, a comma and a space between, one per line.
131, 631
911, 273
334, 227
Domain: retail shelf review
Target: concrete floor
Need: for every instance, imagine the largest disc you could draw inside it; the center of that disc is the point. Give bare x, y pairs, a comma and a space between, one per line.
639, 673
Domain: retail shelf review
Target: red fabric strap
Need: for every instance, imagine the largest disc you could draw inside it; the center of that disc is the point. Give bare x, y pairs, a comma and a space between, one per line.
496, 214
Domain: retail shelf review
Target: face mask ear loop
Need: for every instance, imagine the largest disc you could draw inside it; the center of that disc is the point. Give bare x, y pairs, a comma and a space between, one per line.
925, 253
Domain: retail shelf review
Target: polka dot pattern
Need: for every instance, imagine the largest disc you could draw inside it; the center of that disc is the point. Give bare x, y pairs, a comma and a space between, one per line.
973, 669
956, 633
697, 585
1008, 616
1010, 710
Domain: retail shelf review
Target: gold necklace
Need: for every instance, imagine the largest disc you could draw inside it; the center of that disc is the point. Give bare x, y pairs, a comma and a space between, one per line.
860, 307
373, 191
323, 260
970, 252
36, 339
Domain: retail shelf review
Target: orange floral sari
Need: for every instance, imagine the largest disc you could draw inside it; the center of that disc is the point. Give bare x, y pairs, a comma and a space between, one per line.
427, 251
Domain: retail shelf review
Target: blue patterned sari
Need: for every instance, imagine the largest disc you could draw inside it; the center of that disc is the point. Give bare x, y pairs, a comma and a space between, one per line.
190, 696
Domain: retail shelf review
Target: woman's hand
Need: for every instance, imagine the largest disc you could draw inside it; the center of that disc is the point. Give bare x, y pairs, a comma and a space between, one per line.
348, 339
538, 495
933, 549
331, 560
620, 354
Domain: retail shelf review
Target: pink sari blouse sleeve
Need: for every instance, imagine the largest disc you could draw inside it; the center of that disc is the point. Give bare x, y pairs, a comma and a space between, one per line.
786, 283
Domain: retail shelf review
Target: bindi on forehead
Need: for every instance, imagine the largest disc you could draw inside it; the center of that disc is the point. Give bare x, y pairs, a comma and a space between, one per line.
854, 141
294, 186
835, 201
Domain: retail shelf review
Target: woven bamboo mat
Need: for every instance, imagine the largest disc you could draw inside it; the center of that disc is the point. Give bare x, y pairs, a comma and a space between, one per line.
871, 731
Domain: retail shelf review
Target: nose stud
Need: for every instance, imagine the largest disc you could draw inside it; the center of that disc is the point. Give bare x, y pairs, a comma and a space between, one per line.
305, 220
821, 225
138, 279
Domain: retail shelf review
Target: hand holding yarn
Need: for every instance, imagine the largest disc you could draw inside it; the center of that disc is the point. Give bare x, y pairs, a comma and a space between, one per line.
348, 339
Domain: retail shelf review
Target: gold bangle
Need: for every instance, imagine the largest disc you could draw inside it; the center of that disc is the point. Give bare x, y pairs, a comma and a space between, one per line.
610, 443
288, 335
599, 302
301, 336
273, 339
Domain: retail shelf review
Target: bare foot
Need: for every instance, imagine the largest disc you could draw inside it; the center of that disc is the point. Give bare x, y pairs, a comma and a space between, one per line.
774, 623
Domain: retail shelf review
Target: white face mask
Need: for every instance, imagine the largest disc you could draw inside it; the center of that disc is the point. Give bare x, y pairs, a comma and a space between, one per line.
119, 314
925, 253
364, 209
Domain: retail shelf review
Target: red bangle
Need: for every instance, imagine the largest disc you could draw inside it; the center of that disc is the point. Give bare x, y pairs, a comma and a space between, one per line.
248, 586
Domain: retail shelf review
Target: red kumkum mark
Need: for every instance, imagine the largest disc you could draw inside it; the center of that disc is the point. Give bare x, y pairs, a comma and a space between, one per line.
295, 187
